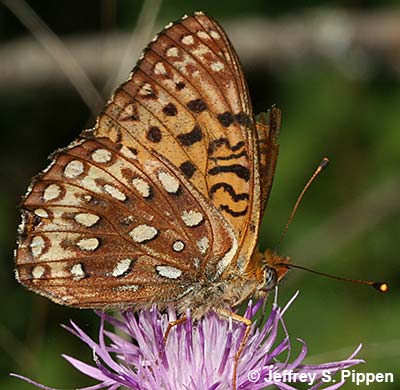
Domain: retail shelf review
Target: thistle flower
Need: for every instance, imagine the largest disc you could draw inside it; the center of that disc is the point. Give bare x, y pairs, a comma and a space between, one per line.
198, 355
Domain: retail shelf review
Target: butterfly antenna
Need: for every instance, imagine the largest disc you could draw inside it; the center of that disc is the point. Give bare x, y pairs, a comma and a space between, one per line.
324, 163
380, 286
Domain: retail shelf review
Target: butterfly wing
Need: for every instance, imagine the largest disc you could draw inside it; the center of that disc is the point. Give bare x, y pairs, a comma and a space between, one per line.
188, 98
268, 127
163, 194
108, 224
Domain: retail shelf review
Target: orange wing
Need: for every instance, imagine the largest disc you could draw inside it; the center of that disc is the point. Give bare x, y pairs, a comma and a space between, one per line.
187, 100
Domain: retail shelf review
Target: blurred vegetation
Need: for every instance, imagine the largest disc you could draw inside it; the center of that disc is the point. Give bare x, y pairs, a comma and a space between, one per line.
355, 121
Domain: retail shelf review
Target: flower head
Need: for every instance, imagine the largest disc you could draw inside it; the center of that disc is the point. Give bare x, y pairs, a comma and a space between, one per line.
198, 355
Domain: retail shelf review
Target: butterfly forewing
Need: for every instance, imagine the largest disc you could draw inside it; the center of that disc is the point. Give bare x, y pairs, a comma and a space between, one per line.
186, 99
163, 194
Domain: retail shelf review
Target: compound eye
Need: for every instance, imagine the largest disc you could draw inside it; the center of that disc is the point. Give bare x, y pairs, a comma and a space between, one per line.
271, 278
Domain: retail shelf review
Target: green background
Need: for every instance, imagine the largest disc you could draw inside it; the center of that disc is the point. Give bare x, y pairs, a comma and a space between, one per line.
348, 223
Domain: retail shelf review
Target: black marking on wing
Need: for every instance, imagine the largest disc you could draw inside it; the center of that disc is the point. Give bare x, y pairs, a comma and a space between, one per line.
188, 169
243, 119
188, 139
225, 208
170, 109
180, 85
197, 105
226, 118
231, 156
214, 145
154, 134
118, 138
133, 150
237, 169
228, 188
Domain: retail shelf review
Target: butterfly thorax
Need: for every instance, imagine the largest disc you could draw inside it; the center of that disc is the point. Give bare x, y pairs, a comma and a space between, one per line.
261, 275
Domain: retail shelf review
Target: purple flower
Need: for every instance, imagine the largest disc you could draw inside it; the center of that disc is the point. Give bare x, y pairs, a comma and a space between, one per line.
198, 355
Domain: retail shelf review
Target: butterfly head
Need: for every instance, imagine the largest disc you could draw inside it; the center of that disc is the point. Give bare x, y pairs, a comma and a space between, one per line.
269, 270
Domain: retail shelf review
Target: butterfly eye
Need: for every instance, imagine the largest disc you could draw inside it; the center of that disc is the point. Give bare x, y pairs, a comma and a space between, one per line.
270, 279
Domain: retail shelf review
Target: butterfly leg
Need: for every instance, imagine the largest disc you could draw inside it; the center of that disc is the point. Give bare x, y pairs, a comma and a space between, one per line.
171, 325
247, 322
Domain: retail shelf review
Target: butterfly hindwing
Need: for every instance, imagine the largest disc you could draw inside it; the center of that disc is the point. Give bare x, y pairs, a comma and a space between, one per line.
268, 126
104, 226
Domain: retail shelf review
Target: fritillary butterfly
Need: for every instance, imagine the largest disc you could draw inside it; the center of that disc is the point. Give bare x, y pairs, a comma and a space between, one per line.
161, 201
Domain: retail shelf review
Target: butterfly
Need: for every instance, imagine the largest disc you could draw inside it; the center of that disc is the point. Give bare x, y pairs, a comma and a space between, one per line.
161, 201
